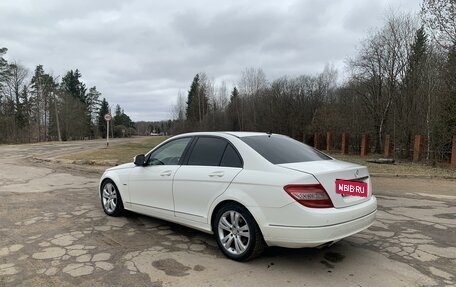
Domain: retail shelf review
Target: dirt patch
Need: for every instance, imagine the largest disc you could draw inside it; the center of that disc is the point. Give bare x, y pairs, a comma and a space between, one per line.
171, 267
334, 257
199, 268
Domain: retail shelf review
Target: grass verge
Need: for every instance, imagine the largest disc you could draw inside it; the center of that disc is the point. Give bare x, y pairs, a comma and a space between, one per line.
117, 153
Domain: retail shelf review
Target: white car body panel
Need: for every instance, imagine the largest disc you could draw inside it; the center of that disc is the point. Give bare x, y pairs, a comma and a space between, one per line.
189, 195
151, 187
299, 237
119, 174
327, 171
196, 187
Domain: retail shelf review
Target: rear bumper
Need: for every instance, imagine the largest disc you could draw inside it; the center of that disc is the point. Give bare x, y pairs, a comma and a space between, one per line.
296, 226
298, 237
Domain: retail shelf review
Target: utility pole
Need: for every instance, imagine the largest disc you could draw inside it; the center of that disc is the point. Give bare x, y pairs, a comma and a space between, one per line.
56, 110
57, 117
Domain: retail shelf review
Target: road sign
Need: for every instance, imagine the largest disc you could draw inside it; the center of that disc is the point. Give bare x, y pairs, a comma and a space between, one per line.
107, 118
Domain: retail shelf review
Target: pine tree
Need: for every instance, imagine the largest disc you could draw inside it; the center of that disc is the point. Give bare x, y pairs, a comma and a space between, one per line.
72, 85
234, 108
77, 118
192, 102
93, 105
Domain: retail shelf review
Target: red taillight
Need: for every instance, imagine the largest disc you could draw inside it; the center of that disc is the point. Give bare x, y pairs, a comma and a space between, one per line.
310, 195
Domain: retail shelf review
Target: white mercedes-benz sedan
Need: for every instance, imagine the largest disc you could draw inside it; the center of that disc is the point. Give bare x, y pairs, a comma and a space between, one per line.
251, 190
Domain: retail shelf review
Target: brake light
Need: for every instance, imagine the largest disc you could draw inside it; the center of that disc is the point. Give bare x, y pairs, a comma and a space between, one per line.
310, 195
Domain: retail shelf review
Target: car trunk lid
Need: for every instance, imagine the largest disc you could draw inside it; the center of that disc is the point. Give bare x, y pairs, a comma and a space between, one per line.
328, 171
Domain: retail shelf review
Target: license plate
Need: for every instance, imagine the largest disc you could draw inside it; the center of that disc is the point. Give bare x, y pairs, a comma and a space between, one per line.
349, 187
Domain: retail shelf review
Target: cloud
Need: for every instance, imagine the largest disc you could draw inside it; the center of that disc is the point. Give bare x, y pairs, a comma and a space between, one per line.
139, 54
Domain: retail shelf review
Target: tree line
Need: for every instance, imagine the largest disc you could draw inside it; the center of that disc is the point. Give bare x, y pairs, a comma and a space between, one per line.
400, 82
44, 107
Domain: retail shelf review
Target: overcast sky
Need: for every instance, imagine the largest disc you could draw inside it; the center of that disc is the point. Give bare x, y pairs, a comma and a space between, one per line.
139, 54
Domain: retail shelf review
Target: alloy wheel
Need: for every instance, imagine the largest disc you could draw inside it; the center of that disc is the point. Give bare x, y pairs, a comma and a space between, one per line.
109, 195
234, 232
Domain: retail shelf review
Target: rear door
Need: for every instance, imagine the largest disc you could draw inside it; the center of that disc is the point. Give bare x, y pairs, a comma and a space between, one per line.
211, 166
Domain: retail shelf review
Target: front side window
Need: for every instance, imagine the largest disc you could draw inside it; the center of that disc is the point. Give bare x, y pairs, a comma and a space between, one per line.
169, 153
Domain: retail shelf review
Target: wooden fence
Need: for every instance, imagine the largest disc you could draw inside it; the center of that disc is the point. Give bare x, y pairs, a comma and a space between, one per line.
317, 140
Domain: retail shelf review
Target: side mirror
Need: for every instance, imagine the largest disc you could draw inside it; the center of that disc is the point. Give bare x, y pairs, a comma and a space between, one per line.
139, 160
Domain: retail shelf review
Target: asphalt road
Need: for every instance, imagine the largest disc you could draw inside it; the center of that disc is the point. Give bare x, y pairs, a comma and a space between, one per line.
53, 232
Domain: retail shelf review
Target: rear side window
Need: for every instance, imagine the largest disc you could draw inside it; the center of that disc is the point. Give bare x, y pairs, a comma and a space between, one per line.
281, 149
207, 151
231, 158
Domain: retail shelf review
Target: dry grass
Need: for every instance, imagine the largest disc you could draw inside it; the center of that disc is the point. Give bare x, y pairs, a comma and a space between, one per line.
402, 168
124, 152
116, 153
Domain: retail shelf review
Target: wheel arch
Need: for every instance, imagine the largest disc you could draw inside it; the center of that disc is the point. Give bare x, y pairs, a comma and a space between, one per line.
256, 234
117, 184
219, 206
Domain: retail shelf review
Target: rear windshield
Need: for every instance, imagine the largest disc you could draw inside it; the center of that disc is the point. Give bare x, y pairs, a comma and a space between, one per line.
281, 149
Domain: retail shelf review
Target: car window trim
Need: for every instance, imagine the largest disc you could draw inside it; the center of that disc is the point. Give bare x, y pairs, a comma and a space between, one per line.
237, 153
195, 140
188, 151
223, 154
165, 143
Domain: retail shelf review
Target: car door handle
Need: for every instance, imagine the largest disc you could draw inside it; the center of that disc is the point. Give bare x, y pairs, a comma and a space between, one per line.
216, 173
166, 173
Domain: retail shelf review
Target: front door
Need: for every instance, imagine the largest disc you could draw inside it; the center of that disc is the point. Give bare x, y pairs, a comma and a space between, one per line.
151, 185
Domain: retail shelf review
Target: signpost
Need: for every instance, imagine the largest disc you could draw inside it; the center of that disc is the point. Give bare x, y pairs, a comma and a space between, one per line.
107, 118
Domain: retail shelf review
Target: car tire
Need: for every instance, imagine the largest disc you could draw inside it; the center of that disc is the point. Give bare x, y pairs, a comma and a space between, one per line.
237, 233
111, 201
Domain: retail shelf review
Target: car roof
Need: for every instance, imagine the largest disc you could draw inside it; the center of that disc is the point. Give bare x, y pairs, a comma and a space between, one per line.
245, 134
236, 134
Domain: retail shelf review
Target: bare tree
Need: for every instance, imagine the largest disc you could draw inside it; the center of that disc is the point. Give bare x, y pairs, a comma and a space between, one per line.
222, 96
440, 17
251, 84
178, 110
12, 90
379, 68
